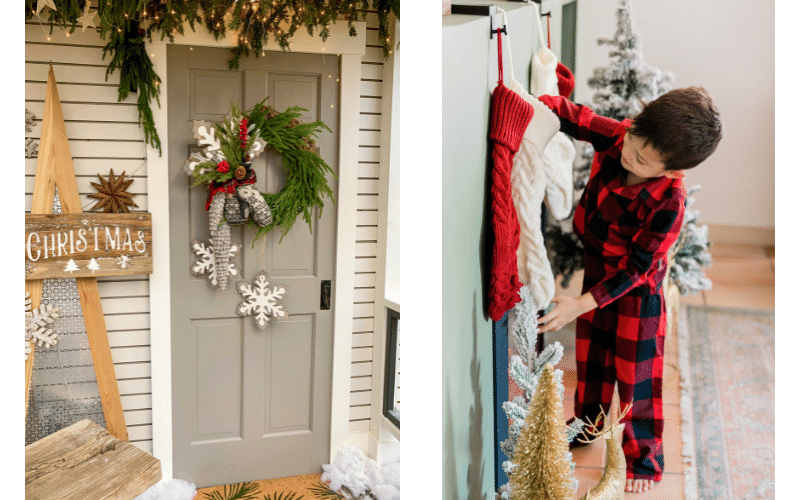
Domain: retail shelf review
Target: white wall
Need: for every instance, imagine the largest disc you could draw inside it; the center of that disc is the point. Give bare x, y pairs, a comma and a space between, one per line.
728, 48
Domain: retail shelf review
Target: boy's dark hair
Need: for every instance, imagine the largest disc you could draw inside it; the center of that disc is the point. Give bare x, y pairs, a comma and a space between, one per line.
682, 125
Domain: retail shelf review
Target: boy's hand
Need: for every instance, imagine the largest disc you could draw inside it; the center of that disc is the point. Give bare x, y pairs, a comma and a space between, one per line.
566, 310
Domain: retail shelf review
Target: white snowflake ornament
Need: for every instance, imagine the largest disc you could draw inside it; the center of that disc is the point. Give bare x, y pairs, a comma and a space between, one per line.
37, 322
261, 300
207, 263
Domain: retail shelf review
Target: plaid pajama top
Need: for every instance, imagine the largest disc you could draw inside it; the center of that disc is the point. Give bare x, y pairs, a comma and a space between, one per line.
629, 228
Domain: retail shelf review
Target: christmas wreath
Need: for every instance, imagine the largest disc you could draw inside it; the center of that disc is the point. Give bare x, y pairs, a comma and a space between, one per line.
224, 166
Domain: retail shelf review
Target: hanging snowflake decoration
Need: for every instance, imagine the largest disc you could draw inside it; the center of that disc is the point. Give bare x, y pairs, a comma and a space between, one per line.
31, 146
261, 300
37, 322
207, 262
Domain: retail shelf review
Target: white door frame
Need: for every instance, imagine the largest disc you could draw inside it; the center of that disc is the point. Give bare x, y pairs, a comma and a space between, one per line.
351, 49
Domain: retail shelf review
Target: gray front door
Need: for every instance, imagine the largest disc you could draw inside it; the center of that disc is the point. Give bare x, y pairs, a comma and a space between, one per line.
249, 403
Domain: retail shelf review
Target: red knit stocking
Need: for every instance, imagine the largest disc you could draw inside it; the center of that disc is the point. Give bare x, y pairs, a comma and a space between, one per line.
510, 117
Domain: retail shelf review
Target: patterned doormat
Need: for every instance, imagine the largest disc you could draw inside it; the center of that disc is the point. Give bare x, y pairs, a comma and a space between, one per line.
306, 487
727, 359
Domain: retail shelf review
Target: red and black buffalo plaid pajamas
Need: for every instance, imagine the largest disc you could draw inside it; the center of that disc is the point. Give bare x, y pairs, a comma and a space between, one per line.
626, 231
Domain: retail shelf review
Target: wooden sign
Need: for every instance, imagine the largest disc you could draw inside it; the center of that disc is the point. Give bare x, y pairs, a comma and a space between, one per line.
87, 245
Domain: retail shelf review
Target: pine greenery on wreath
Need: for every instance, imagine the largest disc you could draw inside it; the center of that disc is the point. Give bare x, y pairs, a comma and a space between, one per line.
224, 165
125, 24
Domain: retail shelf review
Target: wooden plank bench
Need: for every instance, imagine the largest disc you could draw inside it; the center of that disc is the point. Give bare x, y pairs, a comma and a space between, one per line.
85, 462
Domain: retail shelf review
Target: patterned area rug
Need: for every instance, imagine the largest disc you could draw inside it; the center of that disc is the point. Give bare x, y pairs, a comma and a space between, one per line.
728, 402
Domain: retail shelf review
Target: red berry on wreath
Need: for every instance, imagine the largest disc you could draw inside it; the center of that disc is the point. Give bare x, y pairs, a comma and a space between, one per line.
223, 167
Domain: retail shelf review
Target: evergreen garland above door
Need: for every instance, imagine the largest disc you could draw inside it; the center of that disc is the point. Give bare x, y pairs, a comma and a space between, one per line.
126, 23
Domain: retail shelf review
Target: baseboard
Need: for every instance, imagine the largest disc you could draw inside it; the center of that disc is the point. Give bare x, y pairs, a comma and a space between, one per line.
360, 440
741, 235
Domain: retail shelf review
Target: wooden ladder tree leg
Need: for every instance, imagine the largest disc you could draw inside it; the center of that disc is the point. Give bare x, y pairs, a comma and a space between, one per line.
101, 356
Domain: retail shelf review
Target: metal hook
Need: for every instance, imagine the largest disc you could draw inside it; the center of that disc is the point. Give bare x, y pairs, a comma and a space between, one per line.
479, 10
492, 30
540, 6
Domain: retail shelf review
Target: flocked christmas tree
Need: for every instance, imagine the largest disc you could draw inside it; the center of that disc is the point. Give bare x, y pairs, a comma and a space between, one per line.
526, 368
544, 469
619, 89
689, 255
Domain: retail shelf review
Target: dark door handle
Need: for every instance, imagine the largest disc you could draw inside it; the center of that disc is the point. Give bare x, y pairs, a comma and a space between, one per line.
325, 295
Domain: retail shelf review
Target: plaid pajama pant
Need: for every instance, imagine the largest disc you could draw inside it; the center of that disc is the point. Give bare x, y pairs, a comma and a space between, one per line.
623, 343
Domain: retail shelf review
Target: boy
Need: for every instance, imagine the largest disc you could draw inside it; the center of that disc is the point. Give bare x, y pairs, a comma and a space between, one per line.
628, 217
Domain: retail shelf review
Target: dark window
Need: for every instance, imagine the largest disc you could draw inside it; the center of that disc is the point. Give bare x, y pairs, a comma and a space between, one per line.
391, 389
569, 16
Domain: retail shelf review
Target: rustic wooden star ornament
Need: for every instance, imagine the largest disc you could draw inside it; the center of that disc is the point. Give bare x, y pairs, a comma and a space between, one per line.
112, 194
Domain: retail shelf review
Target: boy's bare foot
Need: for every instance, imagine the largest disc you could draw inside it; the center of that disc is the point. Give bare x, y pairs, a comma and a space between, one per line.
639, 485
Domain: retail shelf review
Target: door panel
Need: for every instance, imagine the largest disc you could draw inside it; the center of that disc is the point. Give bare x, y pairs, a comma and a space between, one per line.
213, 92
219, 385
291, 357
249, 403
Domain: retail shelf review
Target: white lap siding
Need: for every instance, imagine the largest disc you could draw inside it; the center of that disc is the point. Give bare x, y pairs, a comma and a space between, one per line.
104, 133
370, 121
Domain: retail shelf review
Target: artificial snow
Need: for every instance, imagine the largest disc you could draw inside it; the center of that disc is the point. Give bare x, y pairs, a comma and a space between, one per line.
361, 477
174, 489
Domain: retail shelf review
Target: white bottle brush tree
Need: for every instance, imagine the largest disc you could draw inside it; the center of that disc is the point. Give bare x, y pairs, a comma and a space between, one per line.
619, 89
526, 368
689, 255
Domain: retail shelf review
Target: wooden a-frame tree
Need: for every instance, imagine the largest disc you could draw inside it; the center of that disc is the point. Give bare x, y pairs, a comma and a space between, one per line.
54, 169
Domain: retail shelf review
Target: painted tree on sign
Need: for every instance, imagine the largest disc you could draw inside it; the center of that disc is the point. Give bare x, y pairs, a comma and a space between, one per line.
71, 266
93, 265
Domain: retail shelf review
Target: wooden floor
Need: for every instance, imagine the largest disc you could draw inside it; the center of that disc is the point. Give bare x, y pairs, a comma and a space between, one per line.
743, 277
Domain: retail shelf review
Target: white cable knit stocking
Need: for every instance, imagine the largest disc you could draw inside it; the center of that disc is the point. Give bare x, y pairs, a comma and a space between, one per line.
528, 182
559, 155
